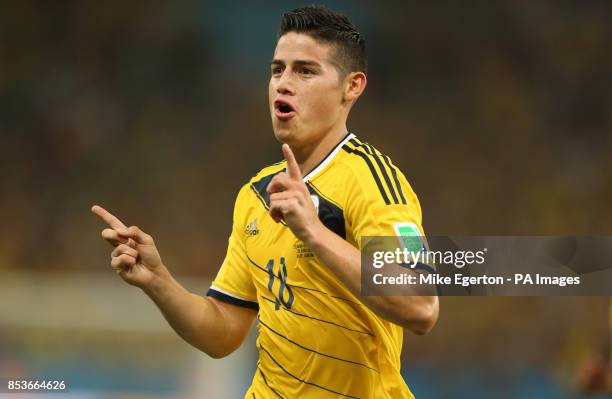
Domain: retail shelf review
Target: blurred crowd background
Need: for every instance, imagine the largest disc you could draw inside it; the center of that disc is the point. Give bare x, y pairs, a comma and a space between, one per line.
499, 114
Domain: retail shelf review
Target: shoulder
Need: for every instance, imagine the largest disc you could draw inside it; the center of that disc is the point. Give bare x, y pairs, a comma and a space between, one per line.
260, 181
255, 187
269, 170
372, 173
377, 194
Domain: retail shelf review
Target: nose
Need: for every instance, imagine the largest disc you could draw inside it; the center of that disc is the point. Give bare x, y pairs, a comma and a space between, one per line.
285, 83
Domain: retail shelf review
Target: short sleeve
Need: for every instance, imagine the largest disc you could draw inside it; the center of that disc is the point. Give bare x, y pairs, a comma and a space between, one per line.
369, 215
234, 282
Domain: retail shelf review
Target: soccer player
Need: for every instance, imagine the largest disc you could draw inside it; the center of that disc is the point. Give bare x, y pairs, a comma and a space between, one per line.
293, 260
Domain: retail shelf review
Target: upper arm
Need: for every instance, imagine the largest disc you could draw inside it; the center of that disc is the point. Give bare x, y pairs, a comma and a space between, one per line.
388, 207
237, 322
234, 282
379, 207
232, 291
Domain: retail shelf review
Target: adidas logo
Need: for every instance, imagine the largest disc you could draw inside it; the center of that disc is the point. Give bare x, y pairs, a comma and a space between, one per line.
251, 229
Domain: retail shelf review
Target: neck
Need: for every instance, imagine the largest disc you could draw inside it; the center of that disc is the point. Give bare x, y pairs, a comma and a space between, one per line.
310, 155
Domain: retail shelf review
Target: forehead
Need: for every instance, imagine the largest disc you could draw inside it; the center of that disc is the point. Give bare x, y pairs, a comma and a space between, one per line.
299, 46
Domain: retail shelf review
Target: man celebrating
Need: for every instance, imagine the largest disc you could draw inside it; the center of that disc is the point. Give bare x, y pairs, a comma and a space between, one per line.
293, 259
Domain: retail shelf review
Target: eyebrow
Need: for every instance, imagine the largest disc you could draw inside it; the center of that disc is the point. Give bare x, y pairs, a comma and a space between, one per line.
297, 62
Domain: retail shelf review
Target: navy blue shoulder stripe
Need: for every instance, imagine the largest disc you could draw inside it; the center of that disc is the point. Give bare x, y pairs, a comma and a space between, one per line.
379, 157
394, 173
370, 150
372, 170
232, 300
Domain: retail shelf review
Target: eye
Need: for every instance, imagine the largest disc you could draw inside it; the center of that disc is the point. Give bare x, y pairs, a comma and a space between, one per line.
307, 71
276, 70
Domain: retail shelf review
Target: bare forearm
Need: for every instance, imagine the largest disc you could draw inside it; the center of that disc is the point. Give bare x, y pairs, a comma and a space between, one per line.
198, 320
212, 326
417, 313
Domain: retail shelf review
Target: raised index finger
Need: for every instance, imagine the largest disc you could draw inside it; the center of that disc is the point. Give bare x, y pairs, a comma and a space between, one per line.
293, 168
108, 217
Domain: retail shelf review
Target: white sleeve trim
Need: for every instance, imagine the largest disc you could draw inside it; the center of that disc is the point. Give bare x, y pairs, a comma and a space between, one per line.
214, 287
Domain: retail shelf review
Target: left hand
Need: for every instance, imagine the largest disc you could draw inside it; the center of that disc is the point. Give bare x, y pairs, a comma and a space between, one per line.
290, 200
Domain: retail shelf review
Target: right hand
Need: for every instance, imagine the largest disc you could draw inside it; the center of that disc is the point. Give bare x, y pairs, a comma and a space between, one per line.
135, 257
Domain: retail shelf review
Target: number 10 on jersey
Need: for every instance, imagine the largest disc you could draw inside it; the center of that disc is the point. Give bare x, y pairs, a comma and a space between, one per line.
283, 289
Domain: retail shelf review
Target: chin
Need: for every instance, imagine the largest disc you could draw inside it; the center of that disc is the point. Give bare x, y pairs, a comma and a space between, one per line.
284, 134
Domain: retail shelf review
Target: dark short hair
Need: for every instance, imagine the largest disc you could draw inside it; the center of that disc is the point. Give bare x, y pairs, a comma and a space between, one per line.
323, 24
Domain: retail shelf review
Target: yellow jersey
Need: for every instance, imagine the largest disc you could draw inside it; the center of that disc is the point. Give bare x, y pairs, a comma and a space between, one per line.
316, 339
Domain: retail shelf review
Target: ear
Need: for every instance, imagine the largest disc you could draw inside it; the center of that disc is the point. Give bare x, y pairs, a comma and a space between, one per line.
355, 84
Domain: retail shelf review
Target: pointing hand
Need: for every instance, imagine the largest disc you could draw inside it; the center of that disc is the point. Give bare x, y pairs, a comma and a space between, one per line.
135, 257
290, 200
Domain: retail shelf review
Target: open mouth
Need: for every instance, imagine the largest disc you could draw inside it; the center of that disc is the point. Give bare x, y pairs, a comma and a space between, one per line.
283, 110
